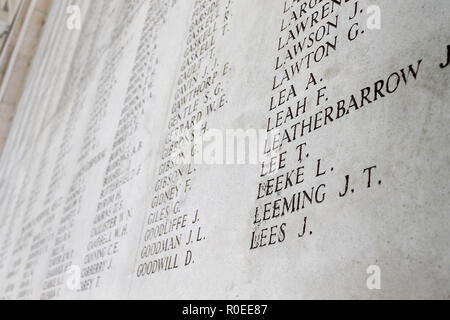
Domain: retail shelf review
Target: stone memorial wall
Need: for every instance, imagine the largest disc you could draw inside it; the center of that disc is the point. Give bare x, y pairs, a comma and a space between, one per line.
250, 149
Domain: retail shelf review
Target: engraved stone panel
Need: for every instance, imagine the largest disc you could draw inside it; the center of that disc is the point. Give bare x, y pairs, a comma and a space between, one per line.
211, 149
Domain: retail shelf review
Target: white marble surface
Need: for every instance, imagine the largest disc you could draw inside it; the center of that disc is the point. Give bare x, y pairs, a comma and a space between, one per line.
88, 149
